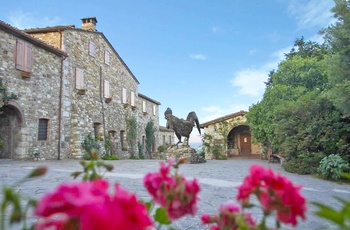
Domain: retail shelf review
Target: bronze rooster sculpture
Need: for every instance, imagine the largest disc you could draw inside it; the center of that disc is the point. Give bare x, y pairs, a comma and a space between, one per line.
181, 127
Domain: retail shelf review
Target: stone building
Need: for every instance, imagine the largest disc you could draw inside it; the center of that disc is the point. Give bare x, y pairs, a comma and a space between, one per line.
31, 69
95, 91
232, 134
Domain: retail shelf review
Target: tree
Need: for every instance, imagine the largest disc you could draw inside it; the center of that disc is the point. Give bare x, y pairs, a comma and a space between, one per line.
149, 137
338, 37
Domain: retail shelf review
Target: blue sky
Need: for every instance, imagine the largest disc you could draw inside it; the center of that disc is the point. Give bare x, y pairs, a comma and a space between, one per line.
211, 57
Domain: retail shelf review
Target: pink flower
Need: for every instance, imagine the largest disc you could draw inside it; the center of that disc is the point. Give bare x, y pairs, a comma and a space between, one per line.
275, 193
230, 217
175, 194
87, 205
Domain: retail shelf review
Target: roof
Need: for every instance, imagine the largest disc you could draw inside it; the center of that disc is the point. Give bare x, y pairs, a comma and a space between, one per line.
149, 99
72, 27
24, 36
224, 118
164, 129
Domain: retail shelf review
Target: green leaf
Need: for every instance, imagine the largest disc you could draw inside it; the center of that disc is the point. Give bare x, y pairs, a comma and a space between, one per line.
161, 216
329, 213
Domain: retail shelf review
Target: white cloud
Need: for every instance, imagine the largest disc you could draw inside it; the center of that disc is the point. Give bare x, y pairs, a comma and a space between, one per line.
27, 20
214, 111
250, 81
198, 56
312, 13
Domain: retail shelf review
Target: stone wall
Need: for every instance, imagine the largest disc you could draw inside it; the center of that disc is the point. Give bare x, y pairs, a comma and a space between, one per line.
81, 113
216, 129
38, 97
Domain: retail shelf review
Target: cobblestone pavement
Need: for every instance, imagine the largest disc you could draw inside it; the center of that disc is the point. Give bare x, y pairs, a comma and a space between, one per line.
218, 179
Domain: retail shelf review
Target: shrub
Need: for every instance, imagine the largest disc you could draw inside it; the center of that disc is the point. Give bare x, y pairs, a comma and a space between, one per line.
89, 144
306, 163
332, 166
162, 148
1, 144
217, 151
110, 157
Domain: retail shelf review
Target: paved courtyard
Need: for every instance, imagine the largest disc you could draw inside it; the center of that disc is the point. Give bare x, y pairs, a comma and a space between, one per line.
218, 179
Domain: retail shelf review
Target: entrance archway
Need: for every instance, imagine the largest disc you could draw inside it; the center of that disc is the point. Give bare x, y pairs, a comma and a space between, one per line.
239, 141
11, 123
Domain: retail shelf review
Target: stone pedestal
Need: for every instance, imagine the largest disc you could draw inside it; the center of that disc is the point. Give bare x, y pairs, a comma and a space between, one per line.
184, 151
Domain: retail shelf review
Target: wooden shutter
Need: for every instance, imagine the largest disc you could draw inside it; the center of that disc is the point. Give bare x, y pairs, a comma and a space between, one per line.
144, 106
92, 49
106, 57
132, 99
79, 78
20, 55
124, 96
28, 58
106, 89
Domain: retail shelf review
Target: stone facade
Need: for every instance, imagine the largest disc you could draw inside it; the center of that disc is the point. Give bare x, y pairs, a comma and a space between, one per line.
96, 92
232, 133
38, 92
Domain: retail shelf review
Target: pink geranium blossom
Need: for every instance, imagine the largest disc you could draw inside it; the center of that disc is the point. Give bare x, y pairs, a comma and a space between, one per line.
177, 195
275, 193
230, 217
88, 205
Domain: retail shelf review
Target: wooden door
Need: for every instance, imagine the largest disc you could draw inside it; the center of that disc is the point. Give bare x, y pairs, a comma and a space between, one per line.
245, 141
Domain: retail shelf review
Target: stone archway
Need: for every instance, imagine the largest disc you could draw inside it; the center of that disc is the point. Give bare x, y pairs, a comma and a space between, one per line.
11, 124
239, 141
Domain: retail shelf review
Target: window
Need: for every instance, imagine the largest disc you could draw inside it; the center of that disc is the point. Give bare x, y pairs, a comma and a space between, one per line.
92, 49
124, 99
42, 129
106, 89
79, 78
106, 57
144, 106
132, 99
24, 56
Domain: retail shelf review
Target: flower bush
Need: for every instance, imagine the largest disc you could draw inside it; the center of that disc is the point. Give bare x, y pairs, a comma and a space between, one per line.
87, 204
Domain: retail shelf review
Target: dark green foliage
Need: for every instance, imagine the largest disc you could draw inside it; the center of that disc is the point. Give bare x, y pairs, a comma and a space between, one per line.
131, 134
149, 138
304, 163
110, 158
332, 167
140, 148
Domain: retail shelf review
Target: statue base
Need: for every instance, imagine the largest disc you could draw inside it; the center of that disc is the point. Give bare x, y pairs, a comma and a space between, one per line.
184, 151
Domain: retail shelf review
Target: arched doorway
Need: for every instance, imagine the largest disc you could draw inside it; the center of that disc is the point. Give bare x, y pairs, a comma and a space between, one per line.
239, 141
11, 123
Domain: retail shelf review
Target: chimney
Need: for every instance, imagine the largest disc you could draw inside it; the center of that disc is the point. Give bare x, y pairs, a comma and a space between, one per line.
89, 23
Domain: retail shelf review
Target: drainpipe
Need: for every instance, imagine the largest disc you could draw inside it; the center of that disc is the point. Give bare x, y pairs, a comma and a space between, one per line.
60, 104
102, 105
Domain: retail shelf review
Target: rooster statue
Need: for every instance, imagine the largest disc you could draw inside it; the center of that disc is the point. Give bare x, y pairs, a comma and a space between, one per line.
181, 127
